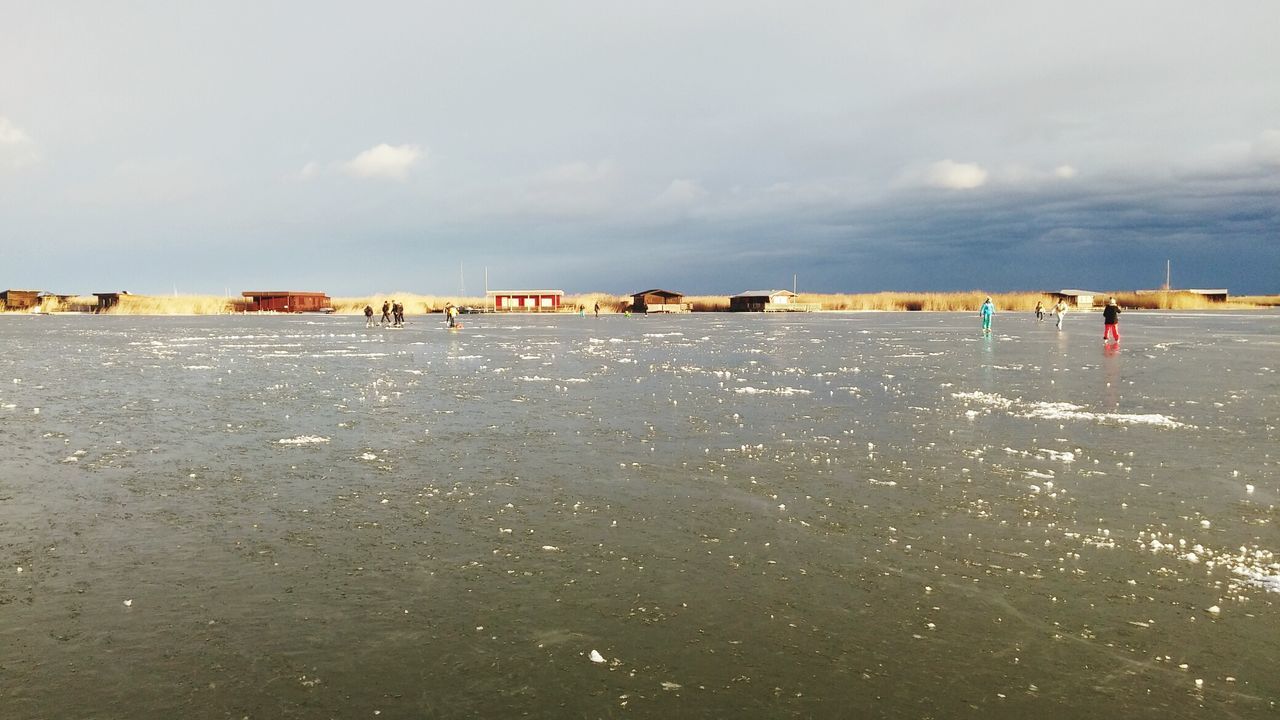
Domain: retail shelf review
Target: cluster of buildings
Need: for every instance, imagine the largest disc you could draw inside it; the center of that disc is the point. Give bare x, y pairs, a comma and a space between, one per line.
648, 301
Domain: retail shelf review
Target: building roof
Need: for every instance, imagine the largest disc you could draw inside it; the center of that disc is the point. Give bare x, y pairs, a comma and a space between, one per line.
524, 292
13, 290
1074, 293
281, 293
1210, 291
656, 291
764, 293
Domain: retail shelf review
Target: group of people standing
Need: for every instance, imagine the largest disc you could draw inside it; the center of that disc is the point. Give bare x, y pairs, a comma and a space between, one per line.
392, 314
1110, 317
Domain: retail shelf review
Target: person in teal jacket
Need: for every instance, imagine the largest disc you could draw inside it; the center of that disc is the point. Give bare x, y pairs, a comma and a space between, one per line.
988, 309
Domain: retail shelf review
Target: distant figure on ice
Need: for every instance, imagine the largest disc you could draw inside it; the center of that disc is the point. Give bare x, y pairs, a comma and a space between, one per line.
1040, 311
368, 316
1111, 321
1059, 310
386, 313
451, 311
397, 313
988, 309
597, 310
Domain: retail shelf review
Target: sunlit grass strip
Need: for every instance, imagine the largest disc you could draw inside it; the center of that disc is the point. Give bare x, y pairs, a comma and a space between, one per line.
418, 304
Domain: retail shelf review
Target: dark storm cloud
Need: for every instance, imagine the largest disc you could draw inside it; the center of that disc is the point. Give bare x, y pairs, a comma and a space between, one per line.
715, 145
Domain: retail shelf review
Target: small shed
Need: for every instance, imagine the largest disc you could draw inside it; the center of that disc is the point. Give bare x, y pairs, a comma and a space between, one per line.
19, 299
108, 300
1212, 295
767, 301
1076, 298
525, 300
659, 301
295, 301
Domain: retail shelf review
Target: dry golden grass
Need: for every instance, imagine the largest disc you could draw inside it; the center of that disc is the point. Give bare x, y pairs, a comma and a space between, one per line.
416, 304
146, 305
894, 301
1268, 301
1175, 300
174, 305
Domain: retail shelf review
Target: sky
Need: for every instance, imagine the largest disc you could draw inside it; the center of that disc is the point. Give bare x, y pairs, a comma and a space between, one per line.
703, 147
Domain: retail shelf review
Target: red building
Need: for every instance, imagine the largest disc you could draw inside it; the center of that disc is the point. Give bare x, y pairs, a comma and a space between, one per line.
287, 301
525, 300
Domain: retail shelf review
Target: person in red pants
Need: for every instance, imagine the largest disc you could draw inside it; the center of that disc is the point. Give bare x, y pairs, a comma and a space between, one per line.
1111, 321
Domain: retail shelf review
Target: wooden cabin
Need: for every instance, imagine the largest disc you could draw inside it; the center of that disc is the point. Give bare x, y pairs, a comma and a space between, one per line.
289, 301
768, 301
108, 300
659, 301
1212, 295
1075, 298
525, 300
19, 299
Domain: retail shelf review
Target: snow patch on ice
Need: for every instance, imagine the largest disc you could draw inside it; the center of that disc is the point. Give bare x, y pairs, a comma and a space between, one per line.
771, 391
1062, 411
303, 440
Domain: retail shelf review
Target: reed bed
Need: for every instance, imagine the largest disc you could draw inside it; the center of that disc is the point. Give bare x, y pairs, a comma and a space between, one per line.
417, 304
174, 305
414, 304
895, 301
1265, 301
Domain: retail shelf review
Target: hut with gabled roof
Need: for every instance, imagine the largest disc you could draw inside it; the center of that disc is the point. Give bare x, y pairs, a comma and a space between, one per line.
659, 301
768, 301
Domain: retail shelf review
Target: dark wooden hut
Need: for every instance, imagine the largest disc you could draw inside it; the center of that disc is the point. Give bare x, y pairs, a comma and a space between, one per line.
108, 300
19, 299
765, 301
659, 301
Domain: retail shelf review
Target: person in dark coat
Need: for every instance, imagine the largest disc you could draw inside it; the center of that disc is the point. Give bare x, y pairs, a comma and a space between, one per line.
386, 312
368, 316
1111, 321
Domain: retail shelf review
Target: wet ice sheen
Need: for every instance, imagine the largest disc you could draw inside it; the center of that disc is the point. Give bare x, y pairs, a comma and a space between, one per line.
737, 515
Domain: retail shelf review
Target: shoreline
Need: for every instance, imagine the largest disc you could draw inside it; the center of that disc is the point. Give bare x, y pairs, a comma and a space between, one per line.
415, 304
1223, 307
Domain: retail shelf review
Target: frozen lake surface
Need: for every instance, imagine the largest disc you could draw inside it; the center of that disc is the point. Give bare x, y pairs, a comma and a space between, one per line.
826, 515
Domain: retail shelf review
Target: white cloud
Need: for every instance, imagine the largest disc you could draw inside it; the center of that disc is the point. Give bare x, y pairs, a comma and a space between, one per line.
682, 192
1064, 172
1267, 147
384, 161
952, 175
310, 171
17, 149
576, 188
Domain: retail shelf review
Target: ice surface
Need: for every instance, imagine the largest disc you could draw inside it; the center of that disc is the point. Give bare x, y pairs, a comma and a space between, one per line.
714, 493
